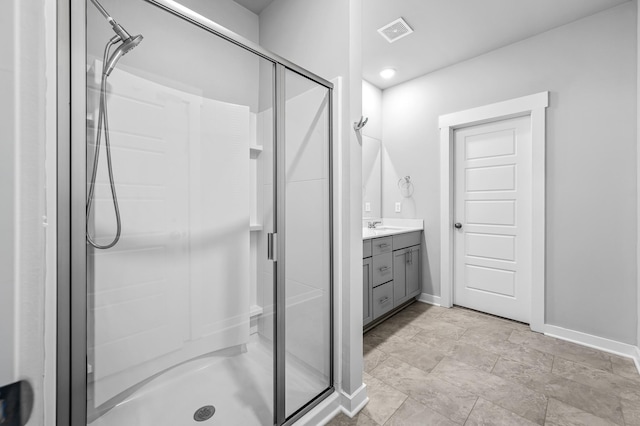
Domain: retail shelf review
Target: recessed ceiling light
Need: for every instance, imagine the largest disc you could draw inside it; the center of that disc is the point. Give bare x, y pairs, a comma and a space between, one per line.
387, 73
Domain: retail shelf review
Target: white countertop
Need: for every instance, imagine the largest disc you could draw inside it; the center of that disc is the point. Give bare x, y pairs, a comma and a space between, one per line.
392, 227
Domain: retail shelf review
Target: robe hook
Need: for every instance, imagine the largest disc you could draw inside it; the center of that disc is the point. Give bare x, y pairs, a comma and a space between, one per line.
358, 125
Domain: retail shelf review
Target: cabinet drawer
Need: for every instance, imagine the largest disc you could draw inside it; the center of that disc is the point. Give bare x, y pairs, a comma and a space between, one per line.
401, 241
382, 268
382, 299
382, 245
366, 249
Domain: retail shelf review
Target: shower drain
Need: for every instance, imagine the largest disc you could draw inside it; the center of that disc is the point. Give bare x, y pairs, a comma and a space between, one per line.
204, 413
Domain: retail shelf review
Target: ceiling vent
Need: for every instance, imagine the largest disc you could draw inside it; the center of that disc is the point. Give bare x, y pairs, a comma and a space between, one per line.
395, 30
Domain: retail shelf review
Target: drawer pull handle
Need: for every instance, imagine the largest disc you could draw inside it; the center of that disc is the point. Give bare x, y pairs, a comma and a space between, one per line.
384, 300
383, 245
384, 268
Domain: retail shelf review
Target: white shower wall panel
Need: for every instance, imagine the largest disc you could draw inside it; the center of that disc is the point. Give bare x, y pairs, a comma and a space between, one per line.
177, 284
220, 222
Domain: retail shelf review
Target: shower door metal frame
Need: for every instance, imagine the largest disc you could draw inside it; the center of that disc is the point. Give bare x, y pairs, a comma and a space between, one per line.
71, 352
71, 309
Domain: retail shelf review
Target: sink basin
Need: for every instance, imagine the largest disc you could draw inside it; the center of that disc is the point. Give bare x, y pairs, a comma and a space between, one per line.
367, 233
388, 228
382, 230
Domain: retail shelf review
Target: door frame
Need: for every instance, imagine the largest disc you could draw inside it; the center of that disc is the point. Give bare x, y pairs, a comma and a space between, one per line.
533, 106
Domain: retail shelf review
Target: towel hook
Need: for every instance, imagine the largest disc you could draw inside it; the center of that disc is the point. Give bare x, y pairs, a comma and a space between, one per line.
358, 125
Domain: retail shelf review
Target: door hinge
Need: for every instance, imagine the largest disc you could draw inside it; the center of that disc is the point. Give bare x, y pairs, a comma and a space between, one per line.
272, 246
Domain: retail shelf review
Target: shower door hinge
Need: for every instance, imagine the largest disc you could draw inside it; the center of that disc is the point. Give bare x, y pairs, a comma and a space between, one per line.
272, 246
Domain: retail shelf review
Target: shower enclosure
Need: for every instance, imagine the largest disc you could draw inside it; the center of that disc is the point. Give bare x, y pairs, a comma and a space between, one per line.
204, 294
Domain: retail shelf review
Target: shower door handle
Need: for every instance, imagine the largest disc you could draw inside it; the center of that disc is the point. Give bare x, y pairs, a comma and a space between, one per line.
272, 246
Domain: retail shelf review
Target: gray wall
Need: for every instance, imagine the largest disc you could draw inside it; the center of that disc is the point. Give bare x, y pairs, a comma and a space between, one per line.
372, 109
7, 193
589, 67
324, 37
23, 86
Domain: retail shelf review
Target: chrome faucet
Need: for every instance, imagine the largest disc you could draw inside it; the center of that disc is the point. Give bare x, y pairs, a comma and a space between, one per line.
372, 224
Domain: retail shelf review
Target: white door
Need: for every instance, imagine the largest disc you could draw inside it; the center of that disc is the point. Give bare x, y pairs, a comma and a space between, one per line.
492, 216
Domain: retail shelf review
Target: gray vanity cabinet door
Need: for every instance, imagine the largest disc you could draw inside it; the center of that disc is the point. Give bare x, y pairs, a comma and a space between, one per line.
367, 291
413, 272
406, 274
399, 277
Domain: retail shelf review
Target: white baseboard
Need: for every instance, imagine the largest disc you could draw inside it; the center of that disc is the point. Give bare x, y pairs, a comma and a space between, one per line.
606, 345
429, 298
352, 404
336, 403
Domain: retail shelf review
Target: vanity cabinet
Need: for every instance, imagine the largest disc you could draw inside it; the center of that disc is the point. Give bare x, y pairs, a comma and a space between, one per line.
391, 273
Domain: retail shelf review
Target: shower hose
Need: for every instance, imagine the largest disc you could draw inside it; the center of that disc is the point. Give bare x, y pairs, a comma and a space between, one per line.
103, 120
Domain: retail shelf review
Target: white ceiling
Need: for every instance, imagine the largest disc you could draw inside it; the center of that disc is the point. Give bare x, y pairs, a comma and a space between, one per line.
451, 31
256, 6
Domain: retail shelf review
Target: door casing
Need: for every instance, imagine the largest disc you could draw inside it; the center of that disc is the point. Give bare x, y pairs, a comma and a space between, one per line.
534, 106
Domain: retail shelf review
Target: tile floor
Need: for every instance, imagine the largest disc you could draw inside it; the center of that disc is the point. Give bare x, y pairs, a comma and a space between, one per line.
435, 366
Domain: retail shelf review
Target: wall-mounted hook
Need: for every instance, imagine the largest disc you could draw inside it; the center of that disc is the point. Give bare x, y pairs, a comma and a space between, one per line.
358, 125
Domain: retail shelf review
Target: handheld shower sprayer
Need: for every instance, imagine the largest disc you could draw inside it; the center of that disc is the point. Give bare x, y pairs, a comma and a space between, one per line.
127, 42
120, 51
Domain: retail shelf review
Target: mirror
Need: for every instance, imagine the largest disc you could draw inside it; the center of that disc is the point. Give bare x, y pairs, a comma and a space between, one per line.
371, 152
371, 178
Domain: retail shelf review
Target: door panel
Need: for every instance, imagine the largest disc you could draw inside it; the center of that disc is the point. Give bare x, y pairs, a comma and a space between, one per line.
499, 247
307, 259
500, 178
413, 272
491, 280
490, 144
399, 276
492, 269
493, 212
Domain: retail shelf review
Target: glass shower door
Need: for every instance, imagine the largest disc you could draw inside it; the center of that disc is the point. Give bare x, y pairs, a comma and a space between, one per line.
180, 309
307, 260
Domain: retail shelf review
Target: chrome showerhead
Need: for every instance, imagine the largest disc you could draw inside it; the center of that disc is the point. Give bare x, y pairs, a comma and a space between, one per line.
128, 42
122, 50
